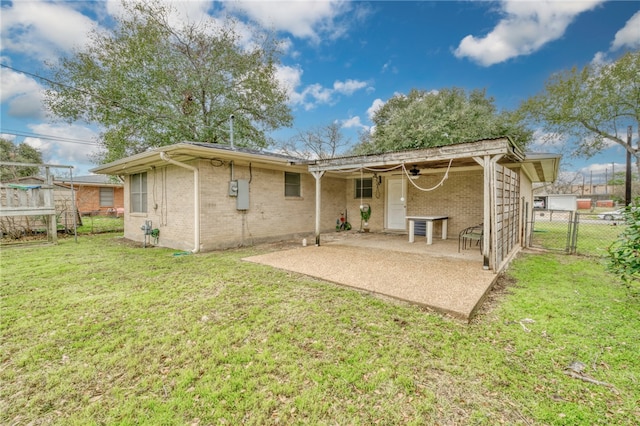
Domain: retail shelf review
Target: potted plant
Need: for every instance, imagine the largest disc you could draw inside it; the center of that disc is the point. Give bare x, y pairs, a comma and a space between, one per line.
365, 214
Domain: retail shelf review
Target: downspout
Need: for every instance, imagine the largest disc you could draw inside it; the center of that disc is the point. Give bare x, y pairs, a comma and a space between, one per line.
196, 198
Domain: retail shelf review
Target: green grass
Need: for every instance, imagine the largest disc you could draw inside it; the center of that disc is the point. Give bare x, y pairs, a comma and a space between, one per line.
100, 224
101, 332
593, 238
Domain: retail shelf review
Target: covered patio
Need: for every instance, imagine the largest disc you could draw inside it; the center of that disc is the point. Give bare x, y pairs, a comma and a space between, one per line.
485, 185
435, 276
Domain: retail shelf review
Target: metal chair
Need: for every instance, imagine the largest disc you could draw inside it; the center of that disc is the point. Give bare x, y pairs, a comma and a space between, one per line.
470, 234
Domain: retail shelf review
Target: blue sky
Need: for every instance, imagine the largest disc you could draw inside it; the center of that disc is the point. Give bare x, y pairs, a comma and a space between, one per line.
343, 59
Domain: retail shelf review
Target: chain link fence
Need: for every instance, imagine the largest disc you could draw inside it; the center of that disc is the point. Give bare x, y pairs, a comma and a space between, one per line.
582, 233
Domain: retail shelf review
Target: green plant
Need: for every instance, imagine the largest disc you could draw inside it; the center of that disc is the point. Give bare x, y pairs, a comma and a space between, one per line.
365, 212
624, 253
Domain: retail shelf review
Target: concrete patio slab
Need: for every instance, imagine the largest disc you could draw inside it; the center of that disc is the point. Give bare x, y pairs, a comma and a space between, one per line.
433, 276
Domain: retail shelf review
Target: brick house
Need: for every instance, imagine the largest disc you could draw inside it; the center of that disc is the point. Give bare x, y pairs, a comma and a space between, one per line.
208, 196
97, 194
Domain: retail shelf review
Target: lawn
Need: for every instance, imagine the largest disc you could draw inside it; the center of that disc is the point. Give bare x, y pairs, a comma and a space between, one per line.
100, 224
103, 332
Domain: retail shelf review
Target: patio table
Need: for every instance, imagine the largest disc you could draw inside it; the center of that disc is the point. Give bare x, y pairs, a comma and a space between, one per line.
429, 228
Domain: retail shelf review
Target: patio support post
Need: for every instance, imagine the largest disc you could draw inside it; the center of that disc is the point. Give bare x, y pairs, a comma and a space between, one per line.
488, 165
485, 162
493, 215
318, 175
486, 232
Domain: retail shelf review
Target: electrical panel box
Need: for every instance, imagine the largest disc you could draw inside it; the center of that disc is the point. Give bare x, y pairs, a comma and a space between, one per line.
233, 188
242, 200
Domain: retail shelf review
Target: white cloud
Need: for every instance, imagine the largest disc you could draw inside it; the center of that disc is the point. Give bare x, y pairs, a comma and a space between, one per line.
311, 20
290, 78
600, 59
354, 123
388, 66
314, 94
41, 29
22, 94
629, 35
601, 168
348, 87
375, 106
525, 28
544, 142
63, 151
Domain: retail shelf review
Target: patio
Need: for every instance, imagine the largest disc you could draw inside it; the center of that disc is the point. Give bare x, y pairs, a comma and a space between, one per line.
434, 276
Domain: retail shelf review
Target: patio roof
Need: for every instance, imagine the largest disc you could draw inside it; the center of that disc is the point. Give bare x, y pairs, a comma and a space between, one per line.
539, 167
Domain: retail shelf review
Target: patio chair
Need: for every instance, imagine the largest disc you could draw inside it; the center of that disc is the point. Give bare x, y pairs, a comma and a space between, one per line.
470, 234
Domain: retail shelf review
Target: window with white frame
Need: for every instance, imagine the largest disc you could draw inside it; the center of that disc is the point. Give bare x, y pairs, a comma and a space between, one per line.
291, 184
106, 197
363, 188
139, 193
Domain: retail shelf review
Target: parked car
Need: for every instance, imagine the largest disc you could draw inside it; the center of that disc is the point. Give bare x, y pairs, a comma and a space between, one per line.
614, 215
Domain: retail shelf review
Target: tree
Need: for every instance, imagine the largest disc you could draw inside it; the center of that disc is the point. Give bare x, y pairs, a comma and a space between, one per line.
624, 253
319, 142
426, 119
21, 153
592, 106
149, 84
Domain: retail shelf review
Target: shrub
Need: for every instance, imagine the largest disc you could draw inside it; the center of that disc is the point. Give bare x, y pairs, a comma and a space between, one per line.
624, 253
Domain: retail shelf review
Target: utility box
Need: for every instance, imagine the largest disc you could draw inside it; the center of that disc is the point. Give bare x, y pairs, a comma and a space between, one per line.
242, 200
233, 188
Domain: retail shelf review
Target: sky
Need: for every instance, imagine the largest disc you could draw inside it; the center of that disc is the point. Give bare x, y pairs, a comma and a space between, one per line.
343, 59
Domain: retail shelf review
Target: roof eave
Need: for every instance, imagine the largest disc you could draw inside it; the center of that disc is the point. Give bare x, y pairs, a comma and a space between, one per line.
187, 152
541, 167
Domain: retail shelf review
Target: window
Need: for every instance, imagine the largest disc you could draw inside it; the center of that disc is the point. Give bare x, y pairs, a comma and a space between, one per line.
364, 188
291, 184
139, 193
106, 197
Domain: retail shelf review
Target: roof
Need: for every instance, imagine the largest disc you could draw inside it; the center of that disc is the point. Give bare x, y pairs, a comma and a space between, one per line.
189, 151
538, 167
541, 167
92, 180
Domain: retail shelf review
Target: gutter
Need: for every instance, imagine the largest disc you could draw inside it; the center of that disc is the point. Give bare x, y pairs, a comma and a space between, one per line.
196, 198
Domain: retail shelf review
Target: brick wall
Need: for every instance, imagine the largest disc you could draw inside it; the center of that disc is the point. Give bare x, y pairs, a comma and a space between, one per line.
88, 198
460, 198
376, 202
270, 216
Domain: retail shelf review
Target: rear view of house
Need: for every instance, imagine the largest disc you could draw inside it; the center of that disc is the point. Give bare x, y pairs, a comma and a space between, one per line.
196, 196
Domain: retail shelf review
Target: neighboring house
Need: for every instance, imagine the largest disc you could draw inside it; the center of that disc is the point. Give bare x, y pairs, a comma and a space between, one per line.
97, 194
208, 196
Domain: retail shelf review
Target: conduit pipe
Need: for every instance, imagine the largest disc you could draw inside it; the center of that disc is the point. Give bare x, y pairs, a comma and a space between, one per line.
196, 198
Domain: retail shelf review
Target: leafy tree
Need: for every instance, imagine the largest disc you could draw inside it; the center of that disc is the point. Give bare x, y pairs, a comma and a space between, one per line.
149, 83
21, 153
593, 105
426, 119
624, 254
319, 142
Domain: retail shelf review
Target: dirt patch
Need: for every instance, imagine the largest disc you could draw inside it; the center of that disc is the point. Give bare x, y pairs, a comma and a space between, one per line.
500, 289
